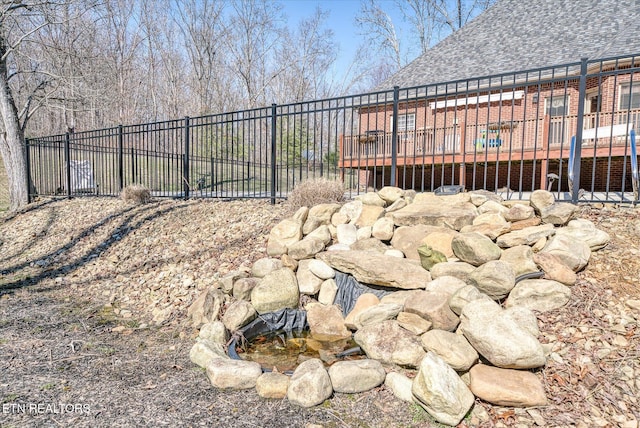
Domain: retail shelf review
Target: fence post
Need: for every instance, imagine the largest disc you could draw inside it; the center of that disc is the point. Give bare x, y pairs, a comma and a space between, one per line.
394, 137
27, 159
120, 158
274, 123
579, 125
185, 159
67, 160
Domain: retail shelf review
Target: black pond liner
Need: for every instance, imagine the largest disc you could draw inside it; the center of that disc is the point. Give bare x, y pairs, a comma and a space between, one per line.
290, 320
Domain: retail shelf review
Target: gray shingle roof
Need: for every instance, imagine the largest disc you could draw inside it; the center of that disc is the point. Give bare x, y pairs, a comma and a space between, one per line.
515, 35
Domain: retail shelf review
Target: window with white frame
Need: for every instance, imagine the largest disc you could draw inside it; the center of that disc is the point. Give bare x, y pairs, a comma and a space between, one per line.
557, 105
629, 96
406, 122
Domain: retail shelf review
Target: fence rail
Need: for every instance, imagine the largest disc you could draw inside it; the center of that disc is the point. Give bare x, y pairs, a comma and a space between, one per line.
506, 133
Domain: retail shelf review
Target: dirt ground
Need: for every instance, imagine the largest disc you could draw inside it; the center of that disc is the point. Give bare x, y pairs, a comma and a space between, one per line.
93, 296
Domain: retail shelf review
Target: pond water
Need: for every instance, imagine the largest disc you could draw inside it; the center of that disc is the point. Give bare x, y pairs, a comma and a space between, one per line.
284, 351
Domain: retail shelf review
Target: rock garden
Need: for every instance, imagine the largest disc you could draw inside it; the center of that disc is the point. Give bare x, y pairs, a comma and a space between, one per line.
444, 295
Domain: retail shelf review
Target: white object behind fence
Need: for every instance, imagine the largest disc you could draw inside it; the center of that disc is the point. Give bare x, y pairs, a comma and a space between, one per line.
82, 177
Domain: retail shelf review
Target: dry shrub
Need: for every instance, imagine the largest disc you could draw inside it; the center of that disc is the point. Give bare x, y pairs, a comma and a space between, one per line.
316, 191
136, 193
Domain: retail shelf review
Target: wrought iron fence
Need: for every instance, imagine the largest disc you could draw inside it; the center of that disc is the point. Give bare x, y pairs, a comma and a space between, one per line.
509, 133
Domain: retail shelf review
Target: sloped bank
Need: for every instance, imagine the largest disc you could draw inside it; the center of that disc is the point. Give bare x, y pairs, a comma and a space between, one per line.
466, 323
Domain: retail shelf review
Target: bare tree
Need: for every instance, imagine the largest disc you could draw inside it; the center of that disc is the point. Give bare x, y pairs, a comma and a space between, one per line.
429, 21
24, 82
378, 27
307, 52
256, 31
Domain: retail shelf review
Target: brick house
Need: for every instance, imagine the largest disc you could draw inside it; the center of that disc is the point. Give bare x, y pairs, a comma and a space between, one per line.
508, 129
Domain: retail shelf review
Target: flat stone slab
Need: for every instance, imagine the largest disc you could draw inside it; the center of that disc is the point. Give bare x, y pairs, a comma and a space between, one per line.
378, 269
454, 213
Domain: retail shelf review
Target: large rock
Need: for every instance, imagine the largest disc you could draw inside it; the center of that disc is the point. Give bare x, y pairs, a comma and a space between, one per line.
369, 215
328, 292
449, 211
351, 210
558, 214
238, 314
283, 234
446, 284
526, 236
371, 245
400, 385
390, 343
233, 374
434, 307
371, 198
308, 282
475, 249
408, 238
347, 234
460, 270
540, 295
382, 229
377, 269
310, 384
202, 352
206, 308
572, 252
490, 230
519, 212
278, 290
242, 288
321, 269
440, 240
263, 266
494, 278
464, 296
554, 269
326, 322
272, 385
390, 194
541, 199
318, 215
363, 302
377, 313
499, 338
413, 322
453, 348
584, 230
351, 377
441, 392
505, 387
520, 258
306, 248
214, 332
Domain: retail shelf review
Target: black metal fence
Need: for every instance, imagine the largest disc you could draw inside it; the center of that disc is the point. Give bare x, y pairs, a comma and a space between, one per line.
510, 133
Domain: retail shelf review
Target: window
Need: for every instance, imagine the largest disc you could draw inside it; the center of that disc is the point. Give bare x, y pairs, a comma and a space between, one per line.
406, 122
557, 105
593, 103
629, 96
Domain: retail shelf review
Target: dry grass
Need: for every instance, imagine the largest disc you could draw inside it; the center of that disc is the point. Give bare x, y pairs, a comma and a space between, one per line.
316, 191
136, 194
4, 189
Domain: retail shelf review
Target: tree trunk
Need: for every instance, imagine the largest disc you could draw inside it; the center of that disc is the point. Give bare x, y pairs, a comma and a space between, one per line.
12, 144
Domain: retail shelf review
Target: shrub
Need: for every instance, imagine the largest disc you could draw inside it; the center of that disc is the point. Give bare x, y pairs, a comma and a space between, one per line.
136, 193
316, 191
